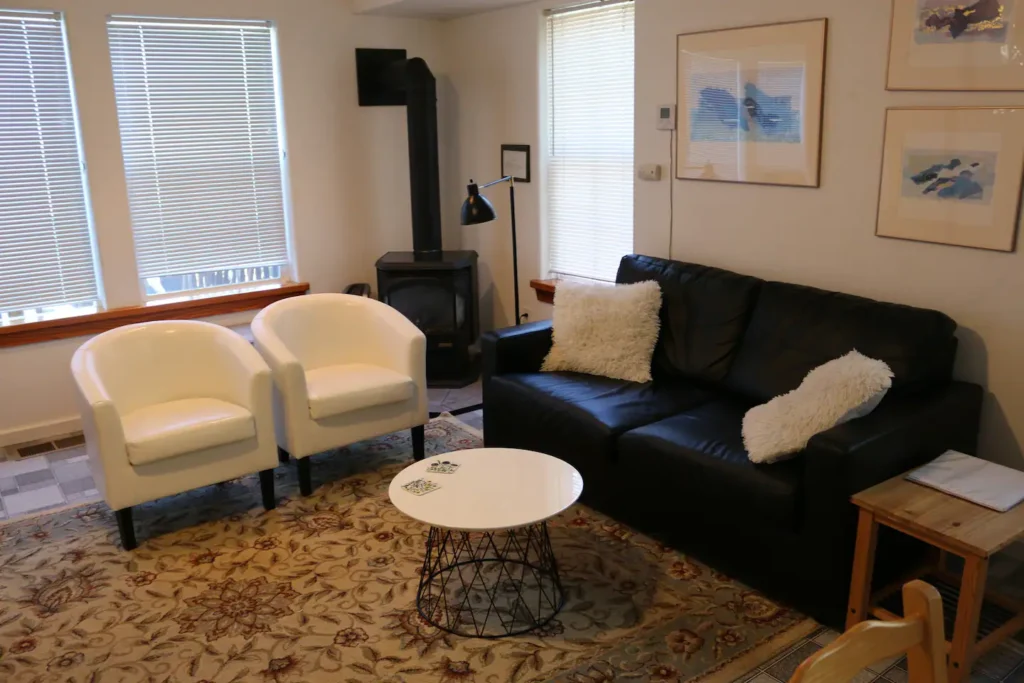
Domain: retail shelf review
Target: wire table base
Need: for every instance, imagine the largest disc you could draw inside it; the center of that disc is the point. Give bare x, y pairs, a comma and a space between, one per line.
489, 584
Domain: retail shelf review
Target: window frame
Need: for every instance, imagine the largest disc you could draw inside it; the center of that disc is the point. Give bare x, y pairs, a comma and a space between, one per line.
547, 148
288, 275
42, 314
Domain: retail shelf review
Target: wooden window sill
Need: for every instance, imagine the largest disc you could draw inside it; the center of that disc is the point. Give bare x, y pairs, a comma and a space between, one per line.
94, 323
545, 290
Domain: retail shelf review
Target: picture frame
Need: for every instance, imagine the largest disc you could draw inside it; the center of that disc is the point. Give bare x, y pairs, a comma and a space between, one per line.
515, 162
750, 103
956, 45
952, 176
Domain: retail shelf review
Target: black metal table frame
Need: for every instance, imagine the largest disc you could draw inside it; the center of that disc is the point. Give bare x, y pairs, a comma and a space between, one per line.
521, 553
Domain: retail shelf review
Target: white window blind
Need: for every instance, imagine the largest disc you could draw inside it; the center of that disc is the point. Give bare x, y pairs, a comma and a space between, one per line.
590, 148
197, 106
46, 252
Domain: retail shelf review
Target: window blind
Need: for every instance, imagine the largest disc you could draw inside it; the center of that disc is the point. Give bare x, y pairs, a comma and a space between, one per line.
46, 253
197, 106
590, 146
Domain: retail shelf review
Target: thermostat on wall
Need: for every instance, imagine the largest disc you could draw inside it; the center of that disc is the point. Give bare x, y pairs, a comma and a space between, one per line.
666, 117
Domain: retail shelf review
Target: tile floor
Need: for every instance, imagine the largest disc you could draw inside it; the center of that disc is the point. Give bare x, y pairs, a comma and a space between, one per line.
447, 400
46, 481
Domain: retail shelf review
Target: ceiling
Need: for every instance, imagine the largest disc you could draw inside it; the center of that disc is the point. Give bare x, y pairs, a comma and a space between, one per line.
430, 9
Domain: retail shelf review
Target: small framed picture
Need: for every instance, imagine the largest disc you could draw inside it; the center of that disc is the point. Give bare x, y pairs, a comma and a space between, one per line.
946, 45
952, 176
515, 162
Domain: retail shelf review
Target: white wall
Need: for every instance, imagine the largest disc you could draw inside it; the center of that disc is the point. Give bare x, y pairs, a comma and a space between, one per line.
820, 237
825, 237
348, 165
492, 97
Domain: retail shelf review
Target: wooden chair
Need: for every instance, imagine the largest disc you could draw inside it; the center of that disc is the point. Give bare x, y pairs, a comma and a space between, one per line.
919, 634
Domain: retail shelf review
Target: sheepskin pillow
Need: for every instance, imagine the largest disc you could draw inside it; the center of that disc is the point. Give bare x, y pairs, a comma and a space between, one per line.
838, 391
605, 330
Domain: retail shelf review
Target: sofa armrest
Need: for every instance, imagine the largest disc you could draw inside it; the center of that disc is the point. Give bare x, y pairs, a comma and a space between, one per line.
902, 433
514, 349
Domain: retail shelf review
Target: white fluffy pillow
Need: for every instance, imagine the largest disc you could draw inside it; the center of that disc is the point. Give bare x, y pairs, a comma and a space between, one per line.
836, 392
605, 330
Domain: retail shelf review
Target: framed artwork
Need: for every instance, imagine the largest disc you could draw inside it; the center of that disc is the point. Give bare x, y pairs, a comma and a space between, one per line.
956, 45
515, 162
750, 104
952, 176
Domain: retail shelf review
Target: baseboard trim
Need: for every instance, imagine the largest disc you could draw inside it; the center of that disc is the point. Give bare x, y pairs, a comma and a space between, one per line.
40, 430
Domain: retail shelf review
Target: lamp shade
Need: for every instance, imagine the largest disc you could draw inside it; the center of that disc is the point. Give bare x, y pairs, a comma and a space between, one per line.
476, 209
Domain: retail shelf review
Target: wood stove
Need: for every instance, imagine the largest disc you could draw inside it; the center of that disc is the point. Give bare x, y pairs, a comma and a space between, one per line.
435, 289
439, 294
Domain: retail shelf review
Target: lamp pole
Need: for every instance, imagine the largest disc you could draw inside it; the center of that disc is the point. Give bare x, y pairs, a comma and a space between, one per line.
474, 192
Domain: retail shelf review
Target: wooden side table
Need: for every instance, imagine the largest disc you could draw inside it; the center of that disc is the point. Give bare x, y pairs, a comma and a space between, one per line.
951, 525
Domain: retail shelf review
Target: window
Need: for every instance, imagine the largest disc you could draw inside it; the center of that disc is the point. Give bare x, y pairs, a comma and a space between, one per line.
200, 136
590, 144
47, 264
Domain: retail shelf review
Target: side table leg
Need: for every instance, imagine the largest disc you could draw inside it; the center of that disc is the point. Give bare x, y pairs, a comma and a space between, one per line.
863, 568
968, 613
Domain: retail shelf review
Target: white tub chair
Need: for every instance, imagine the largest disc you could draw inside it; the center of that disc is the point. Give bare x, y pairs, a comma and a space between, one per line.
346, 368
172, 406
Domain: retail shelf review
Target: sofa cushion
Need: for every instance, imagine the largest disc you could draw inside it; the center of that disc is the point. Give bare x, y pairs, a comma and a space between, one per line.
170, 429
794, 329
703, 315
698, 459
576, 408
338, 389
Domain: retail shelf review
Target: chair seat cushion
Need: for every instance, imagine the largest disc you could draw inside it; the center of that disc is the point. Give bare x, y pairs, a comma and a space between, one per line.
338, 389
697, 460
167, 430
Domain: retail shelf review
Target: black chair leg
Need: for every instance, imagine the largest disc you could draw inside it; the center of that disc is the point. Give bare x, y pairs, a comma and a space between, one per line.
418, 444
305, 479
126, 528
267, 487
282, 455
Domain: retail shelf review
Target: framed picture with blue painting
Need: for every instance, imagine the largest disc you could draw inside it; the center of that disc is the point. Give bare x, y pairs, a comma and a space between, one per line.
952, 176
750, 104
956, 45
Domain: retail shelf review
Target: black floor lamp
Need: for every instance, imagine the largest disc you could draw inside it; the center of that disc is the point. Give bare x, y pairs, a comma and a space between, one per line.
477, 209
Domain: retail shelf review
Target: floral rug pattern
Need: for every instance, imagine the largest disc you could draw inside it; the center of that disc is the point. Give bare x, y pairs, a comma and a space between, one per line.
323, 589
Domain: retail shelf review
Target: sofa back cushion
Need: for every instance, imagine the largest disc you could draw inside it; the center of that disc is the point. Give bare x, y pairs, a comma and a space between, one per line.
794, 329
703, 315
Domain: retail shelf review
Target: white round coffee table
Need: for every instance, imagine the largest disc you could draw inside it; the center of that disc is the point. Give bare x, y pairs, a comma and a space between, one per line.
489, 570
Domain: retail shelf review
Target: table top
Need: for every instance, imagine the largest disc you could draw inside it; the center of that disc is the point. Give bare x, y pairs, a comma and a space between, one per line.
493, 489
942, 519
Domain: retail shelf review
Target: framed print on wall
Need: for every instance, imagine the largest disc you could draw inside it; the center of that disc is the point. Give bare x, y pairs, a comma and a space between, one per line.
515, 162
956, 45
952, 176
750, 103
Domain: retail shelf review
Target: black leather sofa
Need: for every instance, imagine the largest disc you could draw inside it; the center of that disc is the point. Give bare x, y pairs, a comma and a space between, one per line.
667, 456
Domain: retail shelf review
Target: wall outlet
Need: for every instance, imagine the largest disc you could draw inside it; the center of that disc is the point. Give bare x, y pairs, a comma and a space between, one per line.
649, 172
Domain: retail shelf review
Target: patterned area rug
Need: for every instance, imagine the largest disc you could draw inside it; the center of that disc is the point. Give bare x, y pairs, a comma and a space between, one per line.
322, 589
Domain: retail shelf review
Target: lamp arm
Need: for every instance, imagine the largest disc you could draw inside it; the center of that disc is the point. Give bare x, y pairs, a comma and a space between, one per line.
507, 178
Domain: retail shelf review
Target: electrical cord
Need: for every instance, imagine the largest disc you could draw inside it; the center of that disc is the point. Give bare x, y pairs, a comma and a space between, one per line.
671, 187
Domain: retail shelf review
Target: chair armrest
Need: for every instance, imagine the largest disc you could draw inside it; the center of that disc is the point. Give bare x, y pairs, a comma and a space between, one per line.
247, 375
902, 433
249, 381
101, 421
398, 344
515, 349
289, 376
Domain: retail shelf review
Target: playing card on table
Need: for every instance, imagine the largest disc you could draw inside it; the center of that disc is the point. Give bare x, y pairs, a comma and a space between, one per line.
420, 487
442, 467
